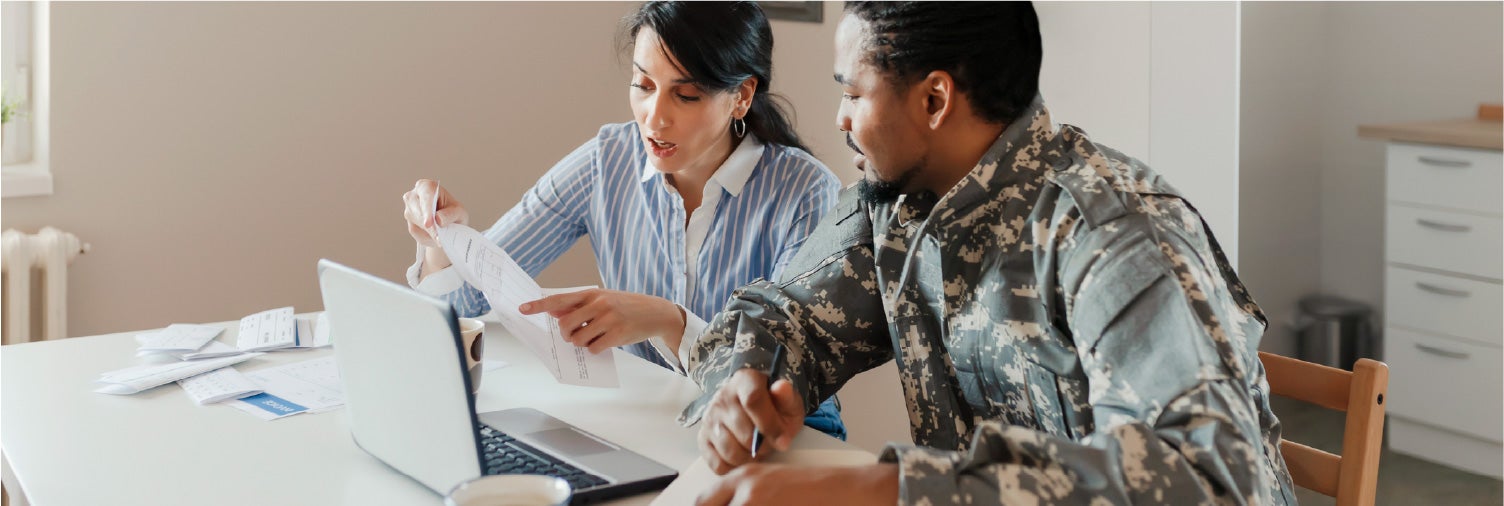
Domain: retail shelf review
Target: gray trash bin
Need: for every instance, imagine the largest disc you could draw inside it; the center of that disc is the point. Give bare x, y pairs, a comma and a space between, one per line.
1334, 331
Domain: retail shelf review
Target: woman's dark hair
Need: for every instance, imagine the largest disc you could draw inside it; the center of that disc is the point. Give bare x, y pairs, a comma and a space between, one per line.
991, 49
718, 46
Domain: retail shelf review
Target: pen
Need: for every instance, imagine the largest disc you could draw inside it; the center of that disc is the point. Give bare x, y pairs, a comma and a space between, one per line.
773, 372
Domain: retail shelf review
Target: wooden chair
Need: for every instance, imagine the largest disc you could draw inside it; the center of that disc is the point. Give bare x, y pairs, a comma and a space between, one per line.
1351, 478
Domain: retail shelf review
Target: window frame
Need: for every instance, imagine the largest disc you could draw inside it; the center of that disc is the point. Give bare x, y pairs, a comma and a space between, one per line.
33, 177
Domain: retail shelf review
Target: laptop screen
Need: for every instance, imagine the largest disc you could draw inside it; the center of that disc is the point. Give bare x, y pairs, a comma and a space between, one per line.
403, 371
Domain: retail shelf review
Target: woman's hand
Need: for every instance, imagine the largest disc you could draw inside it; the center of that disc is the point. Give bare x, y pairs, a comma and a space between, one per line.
423, 217
603, 319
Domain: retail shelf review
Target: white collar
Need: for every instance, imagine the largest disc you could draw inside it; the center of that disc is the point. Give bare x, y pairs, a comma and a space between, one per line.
733, 173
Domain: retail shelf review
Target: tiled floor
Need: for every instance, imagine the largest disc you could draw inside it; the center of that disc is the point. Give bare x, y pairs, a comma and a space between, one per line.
1403, 480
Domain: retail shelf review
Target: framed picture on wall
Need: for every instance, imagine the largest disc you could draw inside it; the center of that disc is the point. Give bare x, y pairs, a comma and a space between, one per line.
811, 12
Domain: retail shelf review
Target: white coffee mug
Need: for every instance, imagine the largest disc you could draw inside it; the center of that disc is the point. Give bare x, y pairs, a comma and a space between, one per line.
510, 490
472, 333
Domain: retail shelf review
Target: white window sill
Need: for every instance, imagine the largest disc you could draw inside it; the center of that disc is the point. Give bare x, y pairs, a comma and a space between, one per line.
25, 180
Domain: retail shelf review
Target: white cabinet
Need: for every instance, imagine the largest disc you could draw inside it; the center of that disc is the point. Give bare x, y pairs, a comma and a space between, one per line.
1443, 300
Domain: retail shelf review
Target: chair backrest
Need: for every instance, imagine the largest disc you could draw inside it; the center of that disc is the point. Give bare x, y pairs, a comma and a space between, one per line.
1352, 477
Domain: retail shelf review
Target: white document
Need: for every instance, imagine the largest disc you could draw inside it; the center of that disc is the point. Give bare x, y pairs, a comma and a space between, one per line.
504, 283
321, 336
278, 329
312, 332
178, 337
218, 385
215, 349
309, 386
136, 379
267, 330
694, 479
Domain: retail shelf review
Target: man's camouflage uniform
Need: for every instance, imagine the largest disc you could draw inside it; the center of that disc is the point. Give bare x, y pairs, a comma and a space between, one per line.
1067, 331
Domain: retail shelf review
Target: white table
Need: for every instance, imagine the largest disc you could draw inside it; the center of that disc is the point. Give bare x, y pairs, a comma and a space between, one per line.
69, 446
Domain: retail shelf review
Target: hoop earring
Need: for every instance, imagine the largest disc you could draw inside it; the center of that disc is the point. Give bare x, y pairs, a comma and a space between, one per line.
739, 126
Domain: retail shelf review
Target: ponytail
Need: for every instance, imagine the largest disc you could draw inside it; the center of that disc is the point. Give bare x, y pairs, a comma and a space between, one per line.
768, 120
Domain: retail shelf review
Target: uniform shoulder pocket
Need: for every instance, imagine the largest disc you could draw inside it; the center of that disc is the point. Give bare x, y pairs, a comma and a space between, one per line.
1103, 279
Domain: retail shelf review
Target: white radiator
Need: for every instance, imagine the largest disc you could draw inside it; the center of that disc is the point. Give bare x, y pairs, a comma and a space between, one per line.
49, 251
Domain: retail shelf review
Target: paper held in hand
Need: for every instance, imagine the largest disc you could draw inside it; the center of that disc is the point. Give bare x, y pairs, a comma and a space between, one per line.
489, 269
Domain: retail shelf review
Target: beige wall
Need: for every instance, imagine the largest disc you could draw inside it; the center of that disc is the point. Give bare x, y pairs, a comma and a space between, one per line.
1280, 158
212, 152
1313, 190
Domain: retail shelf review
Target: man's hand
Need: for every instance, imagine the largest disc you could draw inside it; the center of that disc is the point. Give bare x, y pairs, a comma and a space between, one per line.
786, 485
745, 404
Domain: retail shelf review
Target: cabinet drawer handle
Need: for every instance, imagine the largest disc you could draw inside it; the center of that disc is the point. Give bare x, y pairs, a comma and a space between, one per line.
1446, 227
1438, 351
1450, 292
1445, 162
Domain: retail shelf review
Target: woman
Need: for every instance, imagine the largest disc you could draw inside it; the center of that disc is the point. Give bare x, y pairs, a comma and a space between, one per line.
707, 190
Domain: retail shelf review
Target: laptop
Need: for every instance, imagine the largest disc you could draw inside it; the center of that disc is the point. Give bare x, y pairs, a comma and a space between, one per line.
403, 370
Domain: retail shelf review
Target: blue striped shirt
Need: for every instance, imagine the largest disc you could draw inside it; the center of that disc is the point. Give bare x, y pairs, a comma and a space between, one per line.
636, 224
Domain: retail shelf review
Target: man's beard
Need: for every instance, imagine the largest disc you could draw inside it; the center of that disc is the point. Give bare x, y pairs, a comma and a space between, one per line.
885, 192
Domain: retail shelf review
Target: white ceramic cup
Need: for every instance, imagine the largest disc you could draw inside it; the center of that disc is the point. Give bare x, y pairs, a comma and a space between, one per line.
510, 490
472, 332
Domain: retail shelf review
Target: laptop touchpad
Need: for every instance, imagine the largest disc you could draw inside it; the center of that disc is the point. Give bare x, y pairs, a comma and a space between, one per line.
568, 441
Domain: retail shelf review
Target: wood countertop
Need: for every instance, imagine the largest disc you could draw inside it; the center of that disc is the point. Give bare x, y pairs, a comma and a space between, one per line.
1481, 132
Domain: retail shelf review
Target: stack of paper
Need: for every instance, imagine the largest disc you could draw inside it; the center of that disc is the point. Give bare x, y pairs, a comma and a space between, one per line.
145, 377
204, 373
278, 329
185, 342
486, 267
267, 330
215, 386
319, 329
176, 339
309, 386
215, 349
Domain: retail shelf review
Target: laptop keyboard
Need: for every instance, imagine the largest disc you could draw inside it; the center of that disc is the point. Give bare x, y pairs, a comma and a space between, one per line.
506, 455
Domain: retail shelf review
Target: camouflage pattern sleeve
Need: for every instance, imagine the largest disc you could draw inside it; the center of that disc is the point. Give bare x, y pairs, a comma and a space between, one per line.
826, 312
1163, 346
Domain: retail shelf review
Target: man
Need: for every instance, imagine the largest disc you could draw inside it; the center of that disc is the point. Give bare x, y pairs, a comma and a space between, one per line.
1066, 328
